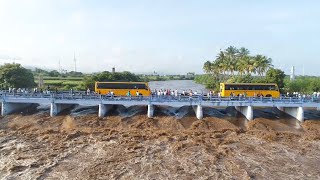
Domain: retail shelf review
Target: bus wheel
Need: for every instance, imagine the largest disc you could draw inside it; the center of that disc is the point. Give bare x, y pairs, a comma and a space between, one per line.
268, 95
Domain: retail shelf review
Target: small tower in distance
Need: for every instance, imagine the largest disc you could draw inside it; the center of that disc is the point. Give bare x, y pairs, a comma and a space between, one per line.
292, 75
40, 81
113, 70
75, 62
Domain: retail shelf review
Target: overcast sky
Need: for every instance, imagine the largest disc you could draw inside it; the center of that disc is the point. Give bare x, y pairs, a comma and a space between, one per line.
168, 36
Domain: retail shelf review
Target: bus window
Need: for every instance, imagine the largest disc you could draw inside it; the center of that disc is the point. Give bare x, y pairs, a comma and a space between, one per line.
272, 87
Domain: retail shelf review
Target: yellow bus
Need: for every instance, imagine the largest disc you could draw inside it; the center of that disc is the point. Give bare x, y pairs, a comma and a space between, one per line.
122, 88
249, 90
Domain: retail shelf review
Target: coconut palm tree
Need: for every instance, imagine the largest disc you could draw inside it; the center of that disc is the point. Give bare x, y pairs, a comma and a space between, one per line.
243, 52
220, 62
231, 51
207, 67
232, 58
249, 65
242, 64
242, 57
215, 69
262, 64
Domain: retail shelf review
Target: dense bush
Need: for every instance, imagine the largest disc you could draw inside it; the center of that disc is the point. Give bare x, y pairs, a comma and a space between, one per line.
16, 76
211, 82
88, 81
302, 84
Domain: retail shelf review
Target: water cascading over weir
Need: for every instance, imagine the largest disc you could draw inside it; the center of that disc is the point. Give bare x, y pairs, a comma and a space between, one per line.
245, 106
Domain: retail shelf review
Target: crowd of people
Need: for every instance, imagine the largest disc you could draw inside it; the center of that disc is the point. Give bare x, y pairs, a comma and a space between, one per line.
34, 90
169, 92
157, 92
301, 95
47, 90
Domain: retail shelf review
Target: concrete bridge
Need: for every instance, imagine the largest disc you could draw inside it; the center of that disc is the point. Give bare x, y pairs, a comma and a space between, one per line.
58, 102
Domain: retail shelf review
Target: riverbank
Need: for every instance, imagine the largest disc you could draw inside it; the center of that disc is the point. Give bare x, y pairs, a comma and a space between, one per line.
135, 147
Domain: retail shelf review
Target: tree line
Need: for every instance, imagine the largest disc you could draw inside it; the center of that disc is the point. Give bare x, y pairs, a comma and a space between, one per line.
15, 76
237, 65
233, 61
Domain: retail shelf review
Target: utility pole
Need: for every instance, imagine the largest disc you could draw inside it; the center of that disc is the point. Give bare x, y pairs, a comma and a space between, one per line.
60, 69
75, 62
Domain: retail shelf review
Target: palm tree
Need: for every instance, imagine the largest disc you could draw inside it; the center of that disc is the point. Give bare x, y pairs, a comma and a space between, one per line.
243, 52
207, 67
262, 64
215, 69
249, 65
232, 58
232, 51
220, 63
242, 64
242, 57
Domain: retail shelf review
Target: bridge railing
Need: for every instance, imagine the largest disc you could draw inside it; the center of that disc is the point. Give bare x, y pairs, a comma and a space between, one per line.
166, 98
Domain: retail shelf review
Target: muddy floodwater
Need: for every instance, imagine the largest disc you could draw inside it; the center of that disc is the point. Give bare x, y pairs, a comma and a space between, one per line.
172, 145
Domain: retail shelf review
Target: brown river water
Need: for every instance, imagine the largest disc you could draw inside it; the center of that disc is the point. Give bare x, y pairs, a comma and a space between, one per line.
172, 145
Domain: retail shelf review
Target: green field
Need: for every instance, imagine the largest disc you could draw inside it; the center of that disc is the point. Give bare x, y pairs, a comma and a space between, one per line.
60, 82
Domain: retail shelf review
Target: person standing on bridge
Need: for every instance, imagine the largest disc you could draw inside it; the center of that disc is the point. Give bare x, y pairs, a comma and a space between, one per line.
129, 94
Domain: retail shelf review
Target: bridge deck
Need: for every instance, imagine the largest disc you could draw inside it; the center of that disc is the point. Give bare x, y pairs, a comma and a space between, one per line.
175, 101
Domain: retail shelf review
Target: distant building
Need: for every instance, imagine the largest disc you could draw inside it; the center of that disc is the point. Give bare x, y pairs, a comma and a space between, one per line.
113, 70
190, 75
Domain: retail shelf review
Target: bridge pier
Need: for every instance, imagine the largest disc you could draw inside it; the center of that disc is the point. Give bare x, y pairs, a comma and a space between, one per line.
150, 110
103, 109
296, 112
199, 112
247, 111
55, 108
7, 108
